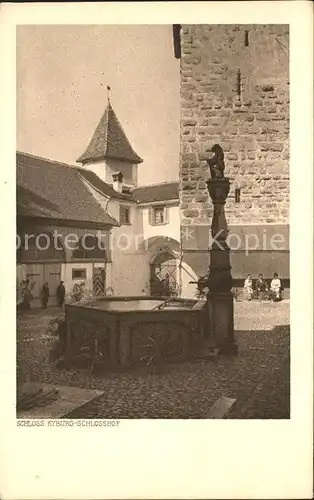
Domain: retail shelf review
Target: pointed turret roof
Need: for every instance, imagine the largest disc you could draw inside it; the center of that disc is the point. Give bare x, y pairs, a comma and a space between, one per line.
109, 141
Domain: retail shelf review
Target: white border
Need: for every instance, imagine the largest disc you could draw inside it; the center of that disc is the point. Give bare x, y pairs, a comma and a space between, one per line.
167, 459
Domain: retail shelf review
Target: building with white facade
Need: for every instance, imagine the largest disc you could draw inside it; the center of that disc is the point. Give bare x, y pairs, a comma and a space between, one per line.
139, 226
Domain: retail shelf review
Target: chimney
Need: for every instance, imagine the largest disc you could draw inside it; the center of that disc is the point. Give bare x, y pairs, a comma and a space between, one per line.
117, 181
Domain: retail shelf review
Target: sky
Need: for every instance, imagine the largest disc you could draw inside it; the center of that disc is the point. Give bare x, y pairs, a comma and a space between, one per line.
62, 75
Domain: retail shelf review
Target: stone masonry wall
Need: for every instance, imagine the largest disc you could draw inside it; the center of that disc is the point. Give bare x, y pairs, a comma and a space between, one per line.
252, 128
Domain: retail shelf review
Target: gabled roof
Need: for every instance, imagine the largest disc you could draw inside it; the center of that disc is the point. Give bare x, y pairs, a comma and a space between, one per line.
54, 190
109, 141
100, 185
157, 192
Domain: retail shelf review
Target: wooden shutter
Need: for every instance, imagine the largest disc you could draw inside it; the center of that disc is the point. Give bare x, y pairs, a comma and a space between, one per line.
121, 214
151, 216
166, 215
127, 215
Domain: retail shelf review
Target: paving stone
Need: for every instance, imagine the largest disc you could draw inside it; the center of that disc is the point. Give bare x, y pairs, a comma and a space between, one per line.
182, 390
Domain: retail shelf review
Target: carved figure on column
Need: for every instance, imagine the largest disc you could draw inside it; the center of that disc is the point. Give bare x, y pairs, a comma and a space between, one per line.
216, 163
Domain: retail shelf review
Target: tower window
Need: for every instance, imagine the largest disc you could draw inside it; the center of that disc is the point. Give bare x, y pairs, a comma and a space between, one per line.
125, 215
239, 78
237, 193
246, 38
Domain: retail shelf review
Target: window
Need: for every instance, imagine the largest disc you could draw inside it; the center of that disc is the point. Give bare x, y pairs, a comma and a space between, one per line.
125, 215
41, 247
239, 83
237, 193
246, 38
78, 274
89, 248
158, 216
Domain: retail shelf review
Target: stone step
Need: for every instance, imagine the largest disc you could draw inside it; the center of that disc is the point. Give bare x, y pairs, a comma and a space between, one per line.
221, 407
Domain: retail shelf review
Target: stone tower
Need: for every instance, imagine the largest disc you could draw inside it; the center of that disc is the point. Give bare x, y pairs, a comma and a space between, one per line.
235, 92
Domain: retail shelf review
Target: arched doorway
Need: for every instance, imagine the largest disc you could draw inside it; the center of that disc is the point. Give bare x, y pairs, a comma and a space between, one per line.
164, 275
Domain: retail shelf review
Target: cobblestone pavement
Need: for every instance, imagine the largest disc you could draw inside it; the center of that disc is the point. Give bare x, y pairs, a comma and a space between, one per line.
258, 377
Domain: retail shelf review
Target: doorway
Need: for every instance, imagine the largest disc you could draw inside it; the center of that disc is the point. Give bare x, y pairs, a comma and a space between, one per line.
164, 276
99, 281
38, 274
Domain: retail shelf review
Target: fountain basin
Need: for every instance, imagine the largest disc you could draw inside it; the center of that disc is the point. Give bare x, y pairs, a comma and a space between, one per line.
134, 331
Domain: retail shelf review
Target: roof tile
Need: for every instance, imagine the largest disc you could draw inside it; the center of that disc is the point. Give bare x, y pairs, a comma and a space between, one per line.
51, 189
100, 185
157, 192
109, 141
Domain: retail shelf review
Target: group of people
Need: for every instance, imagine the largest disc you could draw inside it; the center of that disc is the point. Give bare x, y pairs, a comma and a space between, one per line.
27, 295
262, 289
44, 295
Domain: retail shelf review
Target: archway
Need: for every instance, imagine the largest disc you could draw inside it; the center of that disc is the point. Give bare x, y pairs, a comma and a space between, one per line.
166, 258
188, 277
164, 275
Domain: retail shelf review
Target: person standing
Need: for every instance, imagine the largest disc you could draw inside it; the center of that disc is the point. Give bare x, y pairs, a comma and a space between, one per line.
45, 295
167, 289
61, 294
26, 295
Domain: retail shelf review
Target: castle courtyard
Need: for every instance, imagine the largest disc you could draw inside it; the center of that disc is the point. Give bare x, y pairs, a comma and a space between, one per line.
213, 177
162, 253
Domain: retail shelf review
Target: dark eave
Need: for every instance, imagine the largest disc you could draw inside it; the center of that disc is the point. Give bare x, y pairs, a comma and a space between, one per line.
176, 29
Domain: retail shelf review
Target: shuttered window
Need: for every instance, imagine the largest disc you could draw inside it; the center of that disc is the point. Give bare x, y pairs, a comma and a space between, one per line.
41, 247
125, 215
88, 248
158, 216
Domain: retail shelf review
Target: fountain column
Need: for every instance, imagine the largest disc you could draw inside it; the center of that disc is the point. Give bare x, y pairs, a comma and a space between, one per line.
219, 297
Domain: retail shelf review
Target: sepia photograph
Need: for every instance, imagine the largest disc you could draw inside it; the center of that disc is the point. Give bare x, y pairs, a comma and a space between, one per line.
152, 257
156, 318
